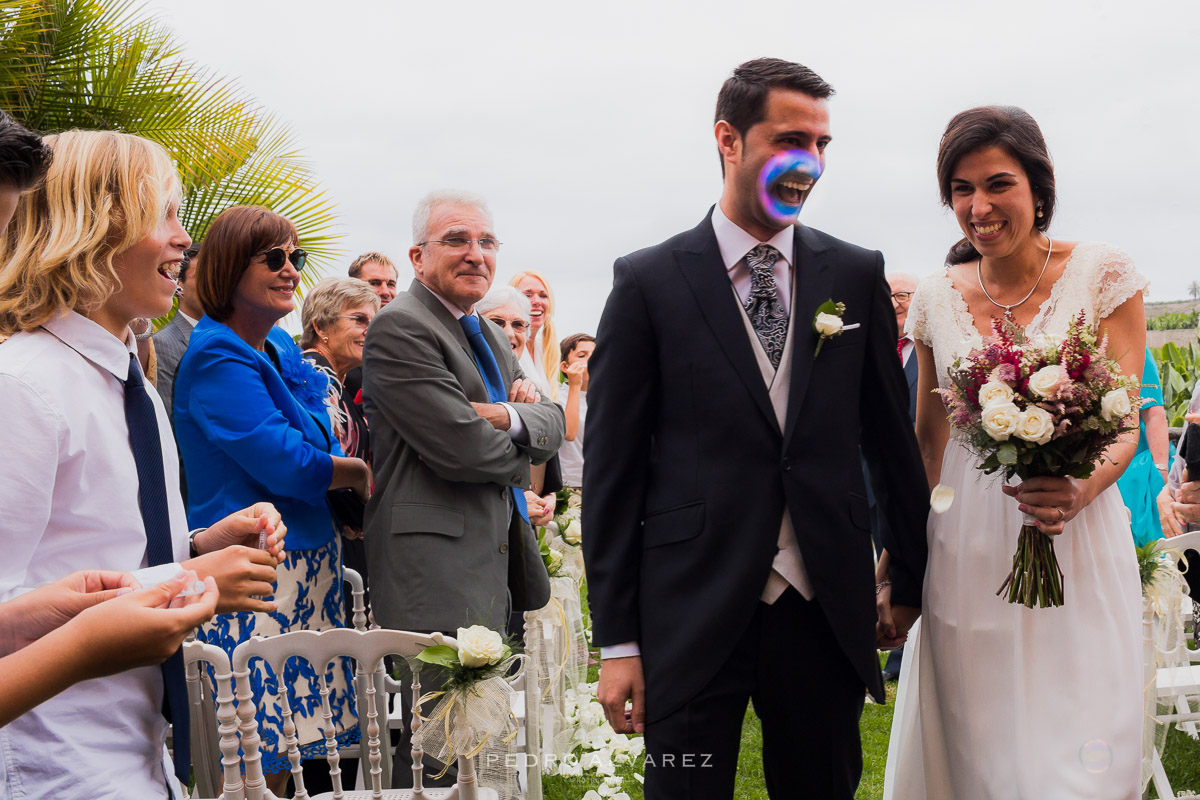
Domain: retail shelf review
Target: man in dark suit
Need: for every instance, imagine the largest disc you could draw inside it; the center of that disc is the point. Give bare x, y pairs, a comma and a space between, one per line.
171, 342
903, 287
727, 538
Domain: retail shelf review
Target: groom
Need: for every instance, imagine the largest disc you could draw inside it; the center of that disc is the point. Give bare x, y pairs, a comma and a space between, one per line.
727, 539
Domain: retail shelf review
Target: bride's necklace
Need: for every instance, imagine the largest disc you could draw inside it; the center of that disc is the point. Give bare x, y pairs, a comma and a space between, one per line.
1008, 309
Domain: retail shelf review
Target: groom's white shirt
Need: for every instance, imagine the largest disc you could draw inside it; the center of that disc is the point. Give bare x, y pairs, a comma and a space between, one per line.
734, 243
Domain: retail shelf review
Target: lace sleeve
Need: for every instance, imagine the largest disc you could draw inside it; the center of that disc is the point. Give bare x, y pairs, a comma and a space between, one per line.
922, 301
1115, 279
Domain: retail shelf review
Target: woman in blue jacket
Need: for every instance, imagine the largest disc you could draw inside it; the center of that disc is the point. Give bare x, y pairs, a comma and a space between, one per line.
252, 421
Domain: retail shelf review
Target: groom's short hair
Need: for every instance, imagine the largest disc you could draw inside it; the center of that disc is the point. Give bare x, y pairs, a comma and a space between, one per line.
742, 101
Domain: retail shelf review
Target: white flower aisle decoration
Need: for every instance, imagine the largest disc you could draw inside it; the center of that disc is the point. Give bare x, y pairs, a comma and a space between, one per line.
474, 708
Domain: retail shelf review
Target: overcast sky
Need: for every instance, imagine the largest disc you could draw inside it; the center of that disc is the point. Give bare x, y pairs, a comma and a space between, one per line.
589, 127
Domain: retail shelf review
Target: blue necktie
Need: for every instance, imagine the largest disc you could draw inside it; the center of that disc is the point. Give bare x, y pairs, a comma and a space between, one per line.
485, 359
152, 498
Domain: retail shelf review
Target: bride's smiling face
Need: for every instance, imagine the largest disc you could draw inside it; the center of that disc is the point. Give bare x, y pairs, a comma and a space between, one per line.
993, 202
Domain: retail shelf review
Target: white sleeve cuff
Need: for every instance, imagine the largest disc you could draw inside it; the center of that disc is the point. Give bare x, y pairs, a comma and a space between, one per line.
516, 428
153, 576
620, 651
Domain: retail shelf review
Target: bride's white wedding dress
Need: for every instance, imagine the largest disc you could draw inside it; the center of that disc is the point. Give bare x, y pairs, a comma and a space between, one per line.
997, 701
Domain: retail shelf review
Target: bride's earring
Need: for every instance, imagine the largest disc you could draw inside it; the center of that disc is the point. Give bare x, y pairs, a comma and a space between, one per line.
1039, 211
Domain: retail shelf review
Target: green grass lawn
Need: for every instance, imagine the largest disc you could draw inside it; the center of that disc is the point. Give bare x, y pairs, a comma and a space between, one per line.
1181, 761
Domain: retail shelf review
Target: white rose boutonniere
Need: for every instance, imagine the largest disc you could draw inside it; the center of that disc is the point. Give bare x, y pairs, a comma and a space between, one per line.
828, 322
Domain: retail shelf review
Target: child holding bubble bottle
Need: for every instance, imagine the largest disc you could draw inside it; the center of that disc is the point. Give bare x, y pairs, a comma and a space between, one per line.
91, 477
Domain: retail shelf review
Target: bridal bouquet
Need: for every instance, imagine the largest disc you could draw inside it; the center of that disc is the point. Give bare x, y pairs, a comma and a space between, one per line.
1039, 407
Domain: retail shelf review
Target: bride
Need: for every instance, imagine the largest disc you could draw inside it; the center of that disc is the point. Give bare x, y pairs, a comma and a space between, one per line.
997, 700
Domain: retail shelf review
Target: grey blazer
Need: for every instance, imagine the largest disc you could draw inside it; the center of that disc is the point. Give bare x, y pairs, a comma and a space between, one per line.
170, 344
447, 548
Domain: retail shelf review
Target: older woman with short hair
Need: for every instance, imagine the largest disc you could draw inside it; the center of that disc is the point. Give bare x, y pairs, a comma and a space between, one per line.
508, 308
251, 419
335, 316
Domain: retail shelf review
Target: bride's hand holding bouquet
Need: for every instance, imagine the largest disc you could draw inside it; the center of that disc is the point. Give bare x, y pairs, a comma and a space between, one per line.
1043, 411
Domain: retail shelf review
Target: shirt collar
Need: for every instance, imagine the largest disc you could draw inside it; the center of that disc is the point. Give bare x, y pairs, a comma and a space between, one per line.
93, 342
457, 312
735, 243
190, 320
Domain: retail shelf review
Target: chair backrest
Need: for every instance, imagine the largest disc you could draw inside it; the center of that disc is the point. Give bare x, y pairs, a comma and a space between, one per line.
208, 778
361, 618
1183, 542
369, 649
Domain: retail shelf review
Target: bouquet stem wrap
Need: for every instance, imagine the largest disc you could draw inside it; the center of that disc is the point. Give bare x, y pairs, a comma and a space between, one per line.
1036, 580
472, 719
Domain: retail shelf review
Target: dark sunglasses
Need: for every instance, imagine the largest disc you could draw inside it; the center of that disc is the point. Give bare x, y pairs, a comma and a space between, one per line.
275, 258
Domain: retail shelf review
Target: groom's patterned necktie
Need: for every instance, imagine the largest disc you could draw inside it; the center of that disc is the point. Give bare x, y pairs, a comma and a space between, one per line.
763, 307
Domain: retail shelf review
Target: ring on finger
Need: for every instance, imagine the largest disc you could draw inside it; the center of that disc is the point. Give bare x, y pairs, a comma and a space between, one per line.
1061, 515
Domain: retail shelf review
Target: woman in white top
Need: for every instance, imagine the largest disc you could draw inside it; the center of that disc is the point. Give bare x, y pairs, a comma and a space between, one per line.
539, 357
96, 246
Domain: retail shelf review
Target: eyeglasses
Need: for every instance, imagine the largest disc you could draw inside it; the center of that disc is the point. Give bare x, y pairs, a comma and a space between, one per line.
901, 297
518, 325
487, 244
362, 320
277, 256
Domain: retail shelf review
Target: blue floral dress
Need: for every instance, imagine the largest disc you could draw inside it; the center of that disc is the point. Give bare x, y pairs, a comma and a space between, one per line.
253, 426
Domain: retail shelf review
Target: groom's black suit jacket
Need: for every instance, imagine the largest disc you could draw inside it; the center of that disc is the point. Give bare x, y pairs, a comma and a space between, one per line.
687, 471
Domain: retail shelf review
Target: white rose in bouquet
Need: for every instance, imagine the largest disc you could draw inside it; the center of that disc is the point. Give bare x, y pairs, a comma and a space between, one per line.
1035, 425
556, 559
574, 532
479, 646
1115, 405
1000, 420
994, 392
828, 324
1046, 382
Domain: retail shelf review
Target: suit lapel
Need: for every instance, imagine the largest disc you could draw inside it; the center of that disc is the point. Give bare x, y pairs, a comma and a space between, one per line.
704, 271
443, 315
812, 270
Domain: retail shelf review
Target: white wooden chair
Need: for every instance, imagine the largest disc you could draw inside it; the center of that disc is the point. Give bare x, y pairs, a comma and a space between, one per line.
1172, 686
369, 649
215, 777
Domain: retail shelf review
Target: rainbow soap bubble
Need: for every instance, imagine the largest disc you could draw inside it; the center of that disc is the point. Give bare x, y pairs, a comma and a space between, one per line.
1096, 756
785, 181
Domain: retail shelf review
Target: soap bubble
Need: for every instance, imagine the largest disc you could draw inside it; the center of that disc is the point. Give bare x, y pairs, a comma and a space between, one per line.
1096, 755
795, 167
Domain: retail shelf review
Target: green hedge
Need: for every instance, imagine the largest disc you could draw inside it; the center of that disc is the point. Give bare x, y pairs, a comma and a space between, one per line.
1173, 321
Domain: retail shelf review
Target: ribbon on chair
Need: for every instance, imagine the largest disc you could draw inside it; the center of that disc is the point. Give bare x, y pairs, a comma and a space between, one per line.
1162, 596
471, 719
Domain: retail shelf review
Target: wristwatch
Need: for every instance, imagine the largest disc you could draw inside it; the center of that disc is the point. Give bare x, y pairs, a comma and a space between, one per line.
192, 541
